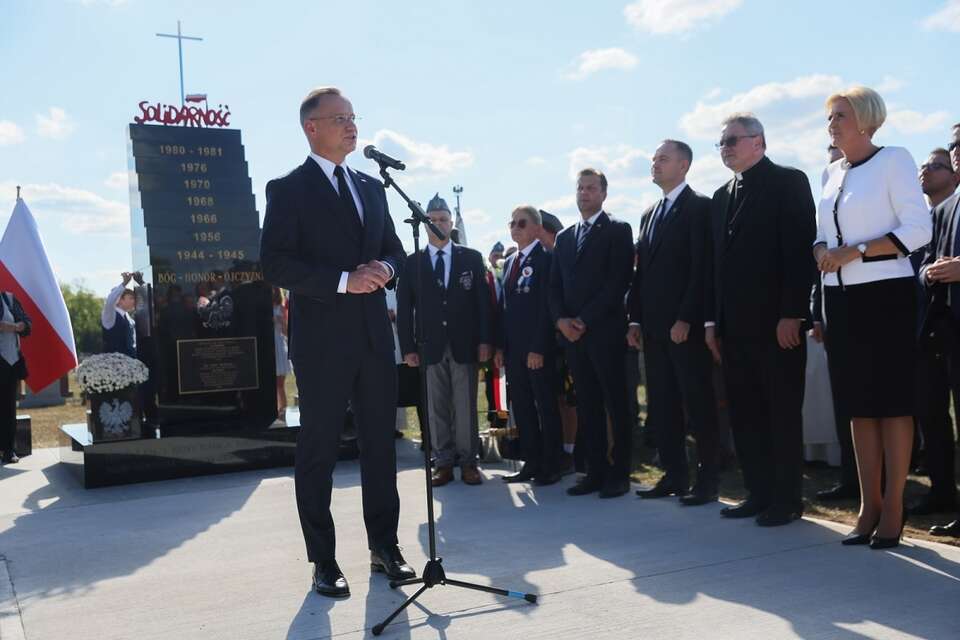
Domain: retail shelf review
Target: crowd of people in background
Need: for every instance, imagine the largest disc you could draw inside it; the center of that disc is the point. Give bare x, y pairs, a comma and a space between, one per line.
720, 293
732, 284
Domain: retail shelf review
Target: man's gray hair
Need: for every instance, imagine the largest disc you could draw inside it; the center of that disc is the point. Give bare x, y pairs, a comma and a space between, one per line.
749, 122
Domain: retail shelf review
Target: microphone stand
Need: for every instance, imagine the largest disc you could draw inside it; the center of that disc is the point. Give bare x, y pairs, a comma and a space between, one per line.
433, 573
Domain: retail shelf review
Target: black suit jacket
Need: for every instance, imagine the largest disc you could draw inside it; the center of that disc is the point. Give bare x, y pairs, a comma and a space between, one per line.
669, 281
946, 217
591, 284
309, 238
763, 266
525, 325
460, 316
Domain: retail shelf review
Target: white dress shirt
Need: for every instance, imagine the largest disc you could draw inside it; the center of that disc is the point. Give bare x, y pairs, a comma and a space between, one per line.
881, 196
592, 220
108, 316
671, 199
447, 260
329, 167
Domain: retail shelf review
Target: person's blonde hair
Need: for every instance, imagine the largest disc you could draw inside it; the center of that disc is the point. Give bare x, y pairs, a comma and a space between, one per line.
867, 105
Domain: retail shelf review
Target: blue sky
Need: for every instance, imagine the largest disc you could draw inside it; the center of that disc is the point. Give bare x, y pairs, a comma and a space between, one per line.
508, 99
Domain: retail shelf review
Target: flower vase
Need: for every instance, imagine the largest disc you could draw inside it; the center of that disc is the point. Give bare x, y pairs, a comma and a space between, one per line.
115, 415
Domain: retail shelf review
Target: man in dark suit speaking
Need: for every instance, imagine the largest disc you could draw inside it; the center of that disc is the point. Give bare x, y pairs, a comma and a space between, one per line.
328, 238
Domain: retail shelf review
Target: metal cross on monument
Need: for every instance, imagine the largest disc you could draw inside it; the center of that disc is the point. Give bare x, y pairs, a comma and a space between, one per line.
180, 38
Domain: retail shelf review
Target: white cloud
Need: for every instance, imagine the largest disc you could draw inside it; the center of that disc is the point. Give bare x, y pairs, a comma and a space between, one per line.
76, 210
704, 121
908, 121
10, 133
946, 19
676, 16
475, 216
423, 159
535, 161
563, 203
889, 84
117, 180
56, 125
594, 60
624, 166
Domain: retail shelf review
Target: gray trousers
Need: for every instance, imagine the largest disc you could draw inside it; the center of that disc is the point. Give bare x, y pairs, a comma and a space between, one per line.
452, 394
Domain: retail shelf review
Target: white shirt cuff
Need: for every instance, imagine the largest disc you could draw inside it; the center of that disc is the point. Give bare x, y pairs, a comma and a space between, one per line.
709, 324
342, 287
388, 266
634, 324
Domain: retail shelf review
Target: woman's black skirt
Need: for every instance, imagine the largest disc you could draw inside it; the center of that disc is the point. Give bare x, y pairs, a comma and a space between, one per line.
871, 340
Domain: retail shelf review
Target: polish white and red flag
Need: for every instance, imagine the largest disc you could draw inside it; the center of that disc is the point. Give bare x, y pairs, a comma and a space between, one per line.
25, 271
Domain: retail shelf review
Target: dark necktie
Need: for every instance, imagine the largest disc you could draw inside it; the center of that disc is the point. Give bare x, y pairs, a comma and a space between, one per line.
514, 272
658, 218
584, 230
346, 199
438, 271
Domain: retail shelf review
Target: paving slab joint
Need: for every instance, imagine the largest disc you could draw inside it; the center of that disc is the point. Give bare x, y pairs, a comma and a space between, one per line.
11, 620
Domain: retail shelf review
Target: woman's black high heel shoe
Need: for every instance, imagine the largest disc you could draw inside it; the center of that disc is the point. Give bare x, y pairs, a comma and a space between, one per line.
854, 539
889, 543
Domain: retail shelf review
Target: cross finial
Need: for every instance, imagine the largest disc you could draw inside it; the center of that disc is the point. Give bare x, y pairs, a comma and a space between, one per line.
180, 38
18, 192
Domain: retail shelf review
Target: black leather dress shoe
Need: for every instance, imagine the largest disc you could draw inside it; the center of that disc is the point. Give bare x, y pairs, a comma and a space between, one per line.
745, 509
952, 529
699, 496
839, 492
524, 475
584, 486
10, 457
328, 580
614, 488
662, 489
544, 479
930, 504
777, 516
390, 561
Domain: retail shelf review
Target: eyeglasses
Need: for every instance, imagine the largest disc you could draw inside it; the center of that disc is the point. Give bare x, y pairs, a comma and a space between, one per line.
953, 145
934, 166
339, 119
731, 141
519, 224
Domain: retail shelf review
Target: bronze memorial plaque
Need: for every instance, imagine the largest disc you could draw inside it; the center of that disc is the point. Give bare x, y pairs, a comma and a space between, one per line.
217, 364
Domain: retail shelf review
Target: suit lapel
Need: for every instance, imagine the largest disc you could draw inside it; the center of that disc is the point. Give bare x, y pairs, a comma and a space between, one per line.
318, 182
735, 219
598, 226
665, 222
372, 221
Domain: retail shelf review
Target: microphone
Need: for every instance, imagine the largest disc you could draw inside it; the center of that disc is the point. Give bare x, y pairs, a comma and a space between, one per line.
382, 159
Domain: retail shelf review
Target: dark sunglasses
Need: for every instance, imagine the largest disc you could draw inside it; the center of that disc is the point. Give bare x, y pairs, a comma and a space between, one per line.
933, 166
953, 145
731, 141
520, 224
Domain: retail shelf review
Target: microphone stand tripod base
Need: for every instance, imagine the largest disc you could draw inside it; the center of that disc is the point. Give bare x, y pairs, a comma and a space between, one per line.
433, 573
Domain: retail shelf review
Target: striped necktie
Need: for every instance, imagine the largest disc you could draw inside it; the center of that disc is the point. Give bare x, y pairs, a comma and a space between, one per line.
584, 230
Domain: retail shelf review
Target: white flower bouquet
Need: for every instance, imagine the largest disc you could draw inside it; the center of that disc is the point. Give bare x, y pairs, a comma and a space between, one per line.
108, 372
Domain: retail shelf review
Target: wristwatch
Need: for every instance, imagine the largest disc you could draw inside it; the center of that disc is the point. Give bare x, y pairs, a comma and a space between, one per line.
862, 248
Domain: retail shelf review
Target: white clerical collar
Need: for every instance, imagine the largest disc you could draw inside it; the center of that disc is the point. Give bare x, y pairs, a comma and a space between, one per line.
675, 192
329, 166
435, 250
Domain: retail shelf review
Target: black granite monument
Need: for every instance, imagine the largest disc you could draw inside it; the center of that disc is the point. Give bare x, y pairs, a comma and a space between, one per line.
204, 316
